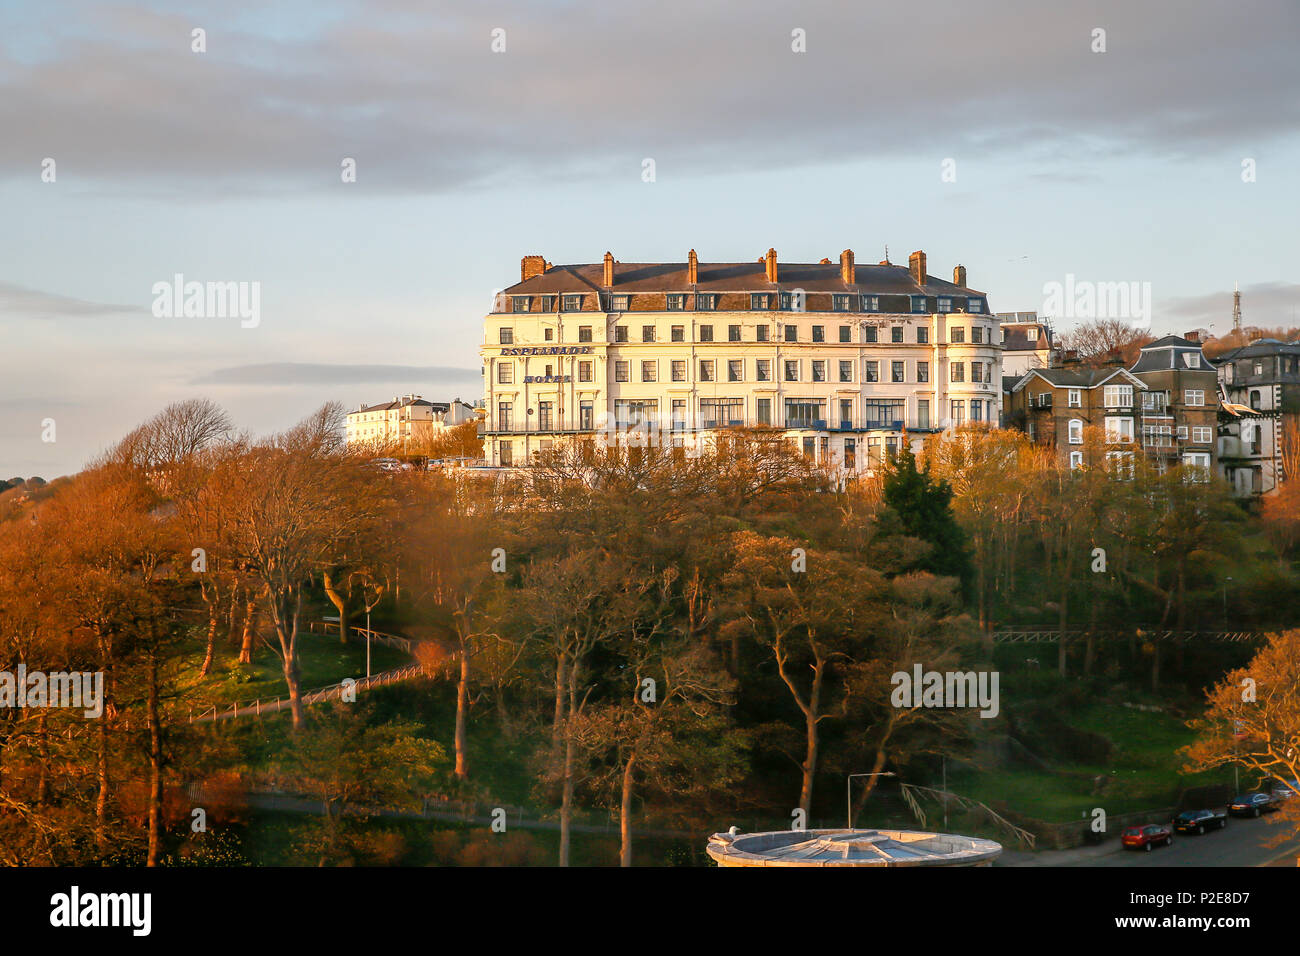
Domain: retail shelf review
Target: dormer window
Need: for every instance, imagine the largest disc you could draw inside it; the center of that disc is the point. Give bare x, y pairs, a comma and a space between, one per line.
548, 303
677, 302
974, 305
619, 303
1032, 333
945, 303
572, 303
1193, 359
705, 303
918, 303
521, 302
841, 303
871, 303
760, 301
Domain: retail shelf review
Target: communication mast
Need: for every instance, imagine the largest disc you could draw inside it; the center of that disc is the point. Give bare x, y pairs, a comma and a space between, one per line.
1236, 310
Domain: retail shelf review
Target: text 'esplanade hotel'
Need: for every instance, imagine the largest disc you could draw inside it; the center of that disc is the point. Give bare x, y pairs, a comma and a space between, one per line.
845, 358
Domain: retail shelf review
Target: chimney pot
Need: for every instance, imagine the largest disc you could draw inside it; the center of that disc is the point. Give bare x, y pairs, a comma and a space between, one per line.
959, 276
771, 265
848, 269
609, 270
916, 264
530, 266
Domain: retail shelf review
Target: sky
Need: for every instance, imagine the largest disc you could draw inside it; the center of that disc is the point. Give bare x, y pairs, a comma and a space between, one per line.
1011, 137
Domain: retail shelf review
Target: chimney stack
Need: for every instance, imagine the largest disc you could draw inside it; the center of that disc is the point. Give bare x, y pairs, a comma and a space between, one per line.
1192, 337
530, 266
916, 263
692, 268
848, 271
609, 270
771, 265
959, 276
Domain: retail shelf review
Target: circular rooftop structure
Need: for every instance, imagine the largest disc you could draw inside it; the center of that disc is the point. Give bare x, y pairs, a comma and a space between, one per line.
851, 848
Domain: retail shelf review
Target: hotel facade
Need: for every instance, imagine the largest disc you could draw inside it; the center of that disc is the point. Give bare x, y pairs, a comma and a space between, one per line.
847, 360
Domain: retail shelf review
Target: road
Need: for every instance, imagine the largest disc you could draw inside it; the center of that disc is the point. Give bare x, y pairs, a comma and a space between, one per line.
1245, 842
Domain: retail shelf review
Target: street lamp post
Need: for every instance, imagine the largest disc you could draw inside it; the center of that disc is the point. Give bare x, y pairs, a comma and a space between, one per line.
886, 773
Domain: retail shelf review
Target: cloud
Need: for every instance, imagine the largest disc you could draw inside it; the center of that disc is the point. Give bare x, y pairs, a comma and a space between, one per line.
423, 105
1264, 305
309, 373
33, 302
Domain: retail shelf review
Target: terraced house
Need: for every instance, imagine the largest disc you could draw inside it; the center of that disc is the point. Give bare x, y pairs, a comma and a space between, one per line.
846, 360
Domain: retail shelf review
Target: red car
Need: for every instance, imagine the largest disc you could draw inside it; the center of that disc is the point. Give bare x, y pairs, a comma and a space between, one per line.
1145, 837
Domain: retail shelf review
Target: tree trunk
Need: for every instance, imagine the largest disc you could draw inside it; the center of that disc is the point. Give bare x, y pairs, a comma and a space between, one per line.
340, 603
557, 721
462, 713
250, 628
42, 785
101, 797
212, 641
813, 741
625, 813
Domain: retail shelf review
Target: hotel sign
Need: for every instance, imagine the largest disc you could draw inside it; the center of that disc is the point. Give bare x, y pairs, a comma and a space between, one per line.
549, 350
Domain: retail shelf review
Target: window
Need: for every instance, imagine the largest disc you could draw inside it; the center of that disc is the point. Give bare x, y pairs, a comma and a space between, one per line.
1118, 396
1075, 399
810, 447
1201, 435
846, 413
1259, 367
957, 412
922, 335
759, 301
976, 410
507, 336
503, 416
548, 303
923, 371
1076, 431
620, 371
679, 333
1255, 399
819, 333
760, 333
679, 370
584, 371
733, 333
1031, 334
974, 305
923, 413
846, 333
735, 370
792, 333
521, 303
649, 371
1192, 359
679, 414
792, 301
841, 303
896, 334
676, 302
721, 412
572, 303
584, 333
545, 416
1194, 396
1076, 460
706, 370
763, 370
896, 372
620, 333
792, 370
945, 303
506, 450
883, 413
506, 373
976, 335
619, 303
819, 370
635, 413
846, 370
1120, 464
1182, 433
958, 372
1154, 402
918, 303
872, 367
706, 333
548, 335
850, 454
763, 409
957, 335
804, 413
647, 333
1119, 429
869, 334
871, 303
586, 416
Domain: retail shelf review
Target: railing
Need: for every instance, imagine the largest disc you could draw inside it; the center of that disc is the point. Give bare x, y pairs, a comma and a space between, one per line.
1033, 635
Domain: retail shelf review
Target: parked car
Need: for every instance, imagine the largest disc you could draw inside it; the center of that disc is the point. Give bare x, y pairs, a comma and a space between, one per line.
1253, 804
1145, 837
1198, 821
1285, 789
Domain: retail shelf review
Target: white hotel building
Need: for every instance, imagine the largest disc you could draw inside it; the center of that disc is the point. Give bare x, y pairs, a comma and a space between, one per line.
848, 360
